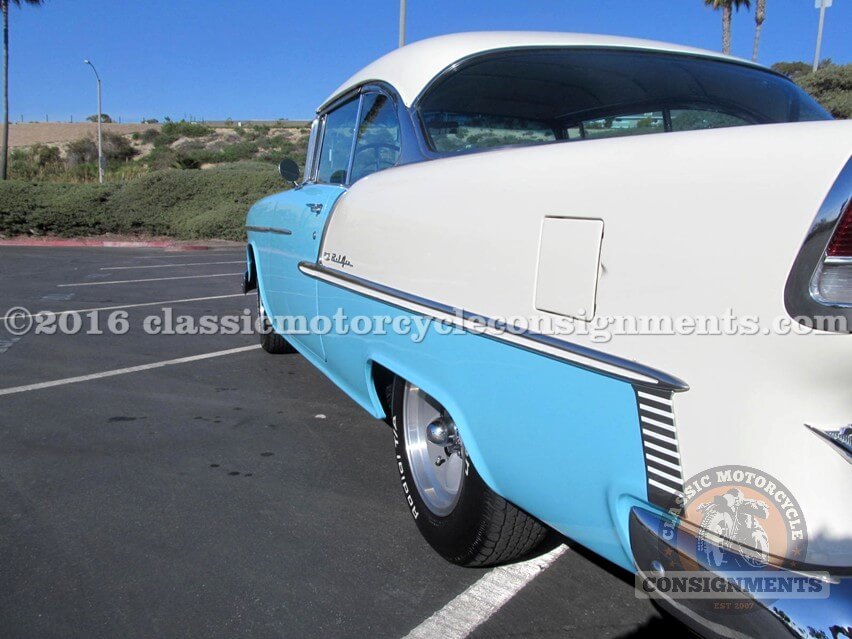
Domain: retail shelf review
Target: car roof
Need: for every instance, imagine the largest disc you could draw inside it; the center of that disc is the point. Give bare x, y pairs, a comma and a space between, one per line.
409, 69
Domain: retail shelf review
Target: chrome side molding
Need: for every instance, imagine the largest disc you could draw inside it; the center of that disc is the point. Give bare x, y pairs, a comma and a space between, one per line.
269, 229
840, 439
549, 346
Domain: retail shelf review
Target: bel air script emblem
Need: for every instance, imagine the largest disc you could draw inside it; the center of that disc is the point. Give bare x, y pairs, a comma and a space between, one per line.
336, 258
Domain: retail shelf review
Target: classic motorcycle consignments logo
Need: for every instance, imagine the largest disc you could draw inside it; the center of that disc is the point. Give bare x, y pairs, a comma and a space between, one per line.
745, 516
737, 529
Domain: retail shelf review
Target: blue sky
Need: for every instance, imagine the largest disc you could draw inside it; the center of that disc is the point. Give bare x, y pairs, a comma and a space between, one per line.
266, 59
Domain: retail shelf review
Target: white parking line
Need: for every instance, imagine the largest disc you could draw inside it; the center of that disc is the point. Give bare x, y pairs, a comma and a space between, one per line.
153, 279
124, 371
195, 256
125, 268
111, 308
477, 604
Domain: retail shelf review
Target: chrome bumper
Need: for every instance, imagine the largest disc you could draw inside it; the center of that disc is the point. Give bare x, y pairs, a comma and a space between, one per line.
780, 618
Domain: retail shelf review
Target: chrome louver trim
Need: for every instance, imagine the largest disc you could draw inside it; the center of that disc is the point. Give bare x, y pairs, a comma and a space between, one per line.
660, 446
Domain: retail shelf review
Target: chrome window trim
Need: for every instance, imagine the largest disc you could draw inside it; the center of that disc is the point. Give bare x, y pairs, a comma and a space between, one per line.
633, 372
312, 151
347, 181
800, 298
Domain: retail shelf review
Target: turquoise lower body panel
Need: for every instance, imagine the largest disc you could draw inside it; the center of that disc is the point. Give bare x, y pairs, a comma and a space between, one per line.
559, 441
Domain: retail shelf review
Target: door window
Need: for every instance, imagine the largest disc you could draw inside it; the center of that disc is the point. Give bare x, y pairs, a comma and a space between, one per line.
377, 146
337, 143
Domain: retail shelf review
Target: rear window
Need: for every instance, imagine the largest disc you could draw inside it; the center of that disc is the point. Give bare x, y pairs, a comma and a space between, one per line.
534, 96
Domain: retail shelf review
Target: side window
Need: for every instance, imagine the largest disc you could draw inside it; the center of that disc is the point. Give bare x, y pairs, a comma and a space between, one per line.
377, 146
333, 159
621, 125
692, 119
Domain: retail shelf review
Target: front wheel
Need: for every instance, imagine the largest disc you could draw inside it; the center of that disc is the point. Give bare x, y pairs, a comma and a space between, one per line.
270, 341
459, 515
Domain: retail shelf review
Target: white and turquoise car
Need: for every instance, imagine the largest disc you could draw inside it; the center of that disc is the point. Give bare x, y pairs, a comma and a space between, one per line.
486, 212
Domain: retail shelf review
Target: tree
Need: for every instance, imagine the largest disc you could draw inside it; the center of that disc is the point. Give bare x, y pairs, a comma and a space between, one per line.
831, 85
759, 17
727, 7
4, 139
104, 118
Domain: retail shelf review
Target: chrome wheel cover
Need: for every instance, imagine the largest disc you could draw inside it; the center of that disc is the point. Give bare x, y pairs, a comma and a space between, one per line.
439, 486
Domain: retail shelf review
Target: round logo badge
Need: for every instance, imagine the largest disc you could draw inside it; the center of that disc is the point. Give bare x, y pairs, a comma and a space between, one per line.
737, 529
746, 518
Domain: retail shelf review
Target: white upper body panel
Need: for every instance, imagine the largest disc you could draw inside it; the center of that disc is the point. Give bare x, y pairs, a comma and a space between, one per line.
411, 68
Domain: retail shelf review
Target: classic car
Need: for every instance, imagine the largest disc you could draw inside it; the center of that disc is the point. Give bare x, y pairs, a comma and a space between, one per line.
516, 195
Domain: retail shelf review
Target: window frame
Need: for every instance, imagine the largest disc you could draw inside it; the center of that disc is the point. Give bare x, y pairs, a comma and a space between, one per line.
368, 91
337, 104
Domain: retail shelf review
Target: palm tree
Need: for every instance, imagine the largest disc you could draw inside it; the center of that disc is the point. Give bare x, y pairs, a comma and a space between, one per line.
759, 17
727, 7
4, 143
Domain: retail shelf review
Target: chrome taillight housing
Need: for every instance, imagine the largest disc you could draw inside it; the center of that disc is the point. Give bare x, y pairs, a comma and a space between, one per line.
832, 281
819, 287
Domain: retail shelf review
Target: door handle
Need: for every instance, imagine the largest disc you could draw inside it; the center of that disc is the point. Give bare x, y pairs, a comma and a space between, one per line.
315, 207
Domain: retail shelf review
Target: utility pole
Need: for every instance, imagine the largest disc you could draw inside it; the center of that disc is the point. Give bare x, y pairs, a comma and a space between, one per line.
402, 7
822, 5
100, 136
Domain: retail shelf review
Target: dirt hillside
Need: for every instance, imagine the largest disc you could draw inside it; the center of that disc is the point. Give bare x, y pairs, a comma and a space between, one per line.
27, 133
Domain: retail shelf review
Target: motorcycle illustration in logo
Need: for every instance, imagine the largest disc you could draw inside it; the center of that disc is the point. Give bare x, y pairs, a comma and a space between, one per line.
733, 527
730, 534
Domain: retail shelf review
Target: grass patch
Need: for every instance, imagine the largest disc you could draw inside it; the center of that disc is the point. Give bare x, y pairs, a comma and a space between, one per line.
172, 202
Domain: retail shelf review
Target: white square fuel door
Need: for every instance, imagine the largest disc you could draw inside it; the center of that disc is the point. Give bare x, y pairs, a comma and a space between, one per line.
569, 256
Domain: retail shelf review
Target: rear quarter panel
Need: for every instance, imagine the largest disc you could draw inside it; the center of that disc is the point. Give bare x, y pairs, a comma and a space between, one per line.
695, 224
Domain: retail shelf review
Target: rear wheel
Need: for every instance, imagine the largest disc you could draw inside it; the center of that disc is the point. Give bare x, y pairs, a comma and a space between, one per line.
271, 341
458, 514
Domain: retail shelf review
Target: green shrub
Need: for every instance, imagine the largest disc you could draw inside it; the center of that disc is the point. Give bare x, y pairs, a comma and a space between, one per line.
184, 129
61, 209
117, 147
185, 162
85, 150
82, 151
175, 203
149, 135
39, 162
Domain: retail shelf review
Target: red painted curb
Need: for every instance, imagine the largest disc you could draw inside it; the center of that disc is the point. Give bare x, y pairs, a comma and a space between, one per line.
27, 241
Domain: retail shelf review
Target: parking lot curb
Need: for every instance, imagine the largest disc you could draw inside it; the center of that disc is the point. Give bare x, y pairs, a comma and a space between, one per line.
71, 242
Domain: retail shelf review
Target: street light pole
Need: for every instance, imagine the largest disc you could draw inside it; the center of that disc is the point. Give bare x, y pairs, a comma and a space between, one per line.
100, 117
402, 7
822, 5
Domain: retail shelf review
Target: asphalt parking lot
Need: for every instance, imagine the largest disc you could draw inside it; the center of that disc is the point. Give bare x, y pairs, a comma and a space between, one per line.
236, 495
